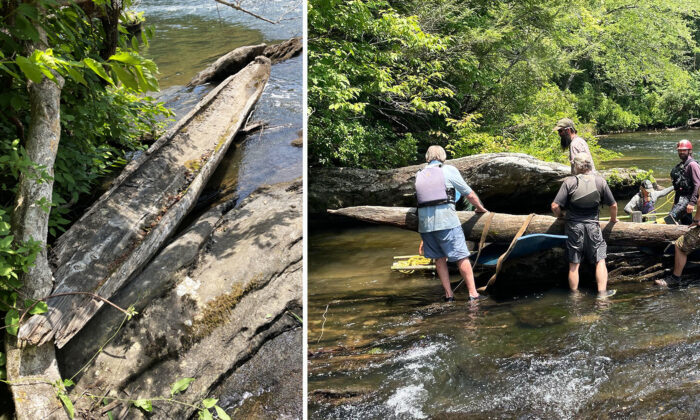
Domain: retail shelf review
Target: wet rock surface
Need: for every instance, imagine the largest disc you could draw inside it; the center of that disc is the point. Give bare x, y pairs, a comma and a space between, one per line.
219, 308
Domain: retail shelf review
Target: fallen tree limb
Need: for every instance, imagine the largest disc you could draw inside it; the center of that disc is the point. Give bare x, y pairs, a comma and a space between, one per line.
235, 60
505, 226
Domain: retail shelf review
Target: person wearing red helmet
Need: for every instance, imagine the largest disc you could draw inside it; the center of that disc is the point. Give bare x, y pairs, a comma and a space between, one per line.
686, 180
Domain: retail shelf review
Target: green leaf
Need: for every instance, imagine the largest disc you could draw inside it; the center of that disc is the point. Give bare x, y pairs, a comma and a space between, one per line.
76, 75
209, 402
205, 415
68, 383
97, 68
10, 72
39, 308
3, 359
31, 70
12, 321
125, 77
180, 385
24, 28
144, 404
221, 413
126, 58
68, 404
5, 271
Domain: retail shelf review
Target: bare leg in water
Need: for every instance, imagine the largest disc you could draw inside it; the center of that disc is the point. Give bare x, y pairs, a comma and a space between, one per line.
444, 275
601, 276
465, 269
573, 276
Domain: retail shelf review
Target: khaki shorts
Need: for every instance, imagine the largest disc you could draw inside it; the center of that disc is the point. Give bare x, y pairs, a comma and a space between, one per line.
690, 241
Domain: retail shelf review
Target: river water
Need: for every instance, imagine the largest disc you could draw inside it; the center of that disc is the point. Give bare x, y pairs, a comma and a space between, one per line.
382, 345
192, 34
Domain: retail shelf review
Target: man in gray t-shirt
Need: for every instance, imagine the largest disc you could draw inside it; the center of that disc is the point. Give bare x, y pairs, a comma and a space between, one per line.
570, 139
581, 196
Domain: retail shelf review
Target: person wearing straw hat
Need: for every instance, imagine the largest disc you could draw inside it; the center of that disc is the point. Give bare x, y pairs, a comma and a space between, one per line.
581, 195
645, 199
571, 140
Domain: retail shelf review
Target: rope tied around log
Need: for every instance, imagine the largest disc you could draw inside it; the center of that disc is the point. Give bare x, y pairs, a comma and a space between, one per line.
505, 255
482, 240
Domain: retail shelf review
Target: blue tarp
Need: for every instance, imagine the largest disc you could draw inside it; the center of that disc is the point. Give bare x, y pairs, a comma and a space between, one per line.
526, 245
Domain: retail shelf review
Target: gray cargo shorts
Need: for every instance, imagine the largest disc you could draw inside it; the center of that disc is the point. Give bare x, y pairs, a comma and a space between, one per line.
584, 240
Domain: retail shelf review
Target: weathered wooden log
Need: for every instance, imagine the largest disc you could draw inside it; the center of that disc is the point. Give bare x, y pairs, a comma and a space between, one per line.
235, 60
213, 310
131, 221
504, 182
284, 50
228, 64
505, 226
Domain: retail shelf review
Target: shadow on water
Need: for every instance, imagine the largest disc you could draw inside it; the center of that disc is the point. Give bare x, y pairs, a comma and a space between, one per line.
382, 344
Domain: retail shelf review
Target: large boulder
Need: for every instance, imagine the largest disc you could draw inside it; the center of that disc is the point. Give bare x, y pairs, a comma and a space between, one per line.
506, 182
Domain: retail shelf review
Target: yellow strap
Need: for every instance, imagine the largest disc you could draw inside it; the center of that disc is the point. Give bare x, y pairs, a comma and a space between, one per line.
484, 232
503, 257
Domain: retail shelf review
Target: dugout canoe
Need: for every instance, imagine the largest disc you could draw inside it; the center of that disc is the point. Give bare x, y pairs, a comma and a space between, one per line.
131, 221
505, 226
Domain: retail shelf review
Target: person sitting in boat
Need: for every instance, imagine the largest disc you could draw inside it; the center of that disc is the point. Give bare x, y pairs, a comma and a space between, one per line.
439, 227
645, 199
689, 242
686, 180
581, 196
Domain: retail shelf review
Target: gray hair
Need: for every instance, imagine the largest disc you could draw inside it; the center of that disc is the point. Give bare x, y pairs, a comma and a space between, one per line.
582, 163
435, 152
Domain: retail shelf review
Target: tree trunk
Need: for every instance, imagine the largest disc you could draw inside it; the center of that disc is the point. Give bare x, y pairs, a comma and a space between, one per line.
131, 221
504, 226
110, 24
512, 182
31, 371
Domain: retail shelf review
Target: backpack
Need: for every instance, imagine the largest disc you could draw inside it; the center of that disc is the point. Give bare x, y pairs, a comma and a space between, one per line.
681, 183
586, 194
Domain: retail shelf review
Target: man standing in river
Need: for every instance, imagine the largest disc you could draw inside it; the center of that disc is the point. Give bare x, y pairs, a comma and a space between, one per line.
686, 180
581, 196
438, 224
571, 140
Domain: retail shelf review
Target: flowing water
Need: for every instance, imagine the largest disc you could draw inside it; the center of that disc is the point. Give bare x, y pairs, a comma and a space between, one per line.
383, 345
189, 36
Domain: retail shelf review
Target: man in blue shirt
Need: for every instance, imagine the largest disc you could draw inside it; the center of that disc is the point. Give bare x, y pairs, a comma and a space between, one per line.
438, 224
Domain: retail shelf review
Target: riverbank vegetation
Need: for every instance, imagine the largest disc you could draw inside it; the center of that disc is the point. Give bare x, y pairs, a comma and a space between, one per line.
103, 113
388, 78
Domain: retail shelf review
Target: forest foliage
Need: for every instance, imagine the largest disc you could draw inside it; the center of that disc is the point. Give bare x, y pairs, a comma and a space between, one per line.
388, 78
104, 114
